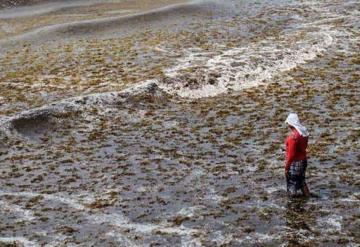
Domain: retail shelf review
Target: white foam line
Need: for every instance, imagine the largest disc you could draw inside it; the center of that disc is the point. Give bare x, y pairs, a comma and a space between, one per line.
59, 106
24, 241
120, 221
259, 237
193, 56
220, 239
56, 240
189, 211
271, 190
187, 241
25, 214
331, 223
211, 195
270, 205
121, 239
68, 201
250, 73
115, 219
350, 199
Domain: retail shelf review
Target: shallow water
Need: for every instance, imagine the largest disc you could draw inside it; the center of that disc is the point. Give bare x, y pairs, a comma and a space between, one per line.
163, 163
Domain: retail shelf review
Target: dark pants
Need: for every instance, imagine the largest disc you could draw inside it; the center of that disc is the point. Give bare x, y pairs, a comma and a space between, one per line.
296, 177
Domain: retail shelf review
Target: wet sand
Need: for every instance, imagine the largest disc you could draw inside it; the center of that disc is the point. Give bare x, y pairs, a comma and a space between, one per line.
172, 133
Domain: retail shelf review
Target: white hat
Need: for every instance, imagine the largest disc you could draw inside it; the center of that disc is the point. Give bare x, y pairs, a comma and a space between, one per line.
294, 121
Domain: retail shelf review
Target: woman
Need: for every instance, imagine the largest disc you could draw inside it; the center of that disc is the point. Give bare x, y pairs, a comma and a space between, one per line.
296, 160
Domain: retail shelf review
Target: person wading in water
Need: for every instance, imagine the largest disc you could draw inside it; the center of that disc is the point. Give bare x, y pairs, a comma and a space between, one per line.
296, 160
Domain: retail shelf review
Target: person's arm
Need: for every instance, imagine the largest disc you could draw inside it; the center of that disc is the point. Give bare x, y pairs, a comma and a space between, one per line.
290, 152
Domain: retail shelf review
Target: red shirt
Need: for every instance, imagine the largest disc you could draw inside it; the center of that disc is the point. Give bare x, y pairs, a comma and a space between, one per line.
295, 148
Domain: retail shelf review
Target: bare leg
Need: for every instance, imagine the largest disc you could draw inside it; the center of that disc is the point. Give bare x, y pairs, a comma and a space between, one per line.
305, 190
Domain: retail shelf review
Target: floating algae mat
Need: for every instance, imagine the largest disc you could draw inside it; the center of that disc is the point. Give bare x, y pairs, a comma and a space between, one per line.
164, 126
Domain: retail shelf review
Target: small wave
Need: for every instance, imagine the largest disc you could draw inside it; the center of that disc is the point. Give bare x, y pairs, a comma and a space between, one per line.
112, 25
24, 241
21, 213
243, 67
331, 223
115, 219
234, 69
19, 10
32, 121
201, 74
62, 199
259, 238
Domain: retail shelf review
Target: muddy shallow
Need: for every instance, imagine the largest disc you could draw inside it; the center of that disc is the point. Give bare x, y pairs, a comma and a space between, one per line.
148, 167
